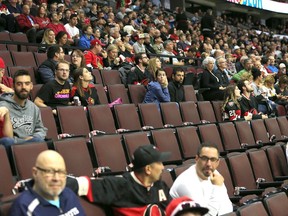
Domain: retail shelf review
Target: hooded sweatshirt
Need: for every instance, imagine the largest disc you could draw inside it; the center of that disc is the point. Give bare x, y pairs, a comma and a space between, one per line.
26, 121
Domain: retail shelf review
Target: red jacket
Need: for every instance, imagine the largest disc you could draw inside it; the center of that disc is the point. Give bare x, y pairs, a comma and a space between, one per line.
93, 59
24, 22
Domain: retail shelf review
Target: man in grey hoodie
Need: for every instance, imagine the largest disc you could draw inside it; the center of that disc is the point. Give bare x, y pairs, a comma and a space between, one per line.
25, 116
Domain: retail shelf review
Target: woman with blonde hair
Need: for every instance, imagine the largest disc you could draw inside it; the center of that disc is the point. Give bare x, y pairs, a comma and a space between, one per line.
154, 64
83, 88
48, 39
112, 61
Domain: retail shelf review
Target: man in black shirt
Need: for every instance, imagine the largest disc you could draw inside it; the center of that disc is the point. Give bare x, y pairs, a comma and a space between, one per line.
175, 87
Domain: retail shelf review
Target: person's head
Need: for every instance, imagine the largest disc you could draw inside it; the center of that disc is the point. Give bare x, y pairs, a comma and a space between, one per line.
257, 75
112, 51
221, 63
62, 71
283, 81
282, 69
271, 60
49, 174
96, 45
168, 45
269, 81
185, 206
147, 160
26, 9
232, 93
62, 38
2, 68
82, 75
245, 86
54, 17
207, 160
42, 11
49, 36
247, 64
178, 75
73, 20
208, 63
87, 29
77, 58
22, 84
160, 76
141, 58
154, 64
55, 52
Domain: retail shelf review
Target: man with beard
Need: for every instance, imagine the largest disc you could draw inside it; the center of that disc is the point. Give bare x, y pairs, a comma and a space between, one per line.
140, 75
203, 183
175, 87
24, 115
56, 92
46, 193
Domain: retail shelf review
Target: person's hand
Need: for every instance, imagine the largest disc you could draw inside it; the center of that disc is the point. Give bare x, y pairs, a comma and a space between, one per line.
3, 112
221, 88
5, 89
117, 61
104, 54
216, 179
36, 26
165, 83
28, 138
248, 117
264, 116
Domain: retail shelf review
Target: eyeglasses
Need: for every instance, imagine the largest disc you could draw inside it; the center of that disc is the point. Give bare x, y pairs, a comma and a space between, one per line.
206, 159
51, 172
62, 70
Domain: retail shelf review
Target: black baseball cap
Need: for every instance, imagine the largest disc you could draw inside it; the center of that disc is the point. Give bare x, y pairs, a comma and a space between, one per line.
148, 154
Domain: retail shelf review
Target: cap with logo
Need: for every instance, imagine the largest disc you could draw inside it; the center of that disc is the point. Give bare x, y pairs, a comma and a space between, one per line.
96, 42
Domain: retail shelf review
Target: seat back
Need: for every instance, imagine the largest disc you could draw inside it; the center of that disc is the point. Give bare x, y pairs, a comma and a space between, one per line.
110, 77
25, 155
209, 133
241, 170
23, 59
229, 136
20, 37
101, 118
277, 160
6, 56
188, 140
273, 128
276, 204
40, 58
101, 94
189, 112
71, 124
259, 130
6, 181
171, 113
127, 116
189, 93
180, 169
150, 115
225, 172
245, 133
255, 208
282, 121
109, 152
97, 76
13, 70
49, 122
167, 178
118, 91
76, 156
137, 93
165, 140
217, 110
206, 111
91, 209
133, 141
34, 91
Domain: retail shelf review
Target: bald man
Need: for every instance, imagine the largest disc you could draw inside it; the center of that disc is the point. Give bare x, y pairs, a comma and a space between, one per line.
46, 194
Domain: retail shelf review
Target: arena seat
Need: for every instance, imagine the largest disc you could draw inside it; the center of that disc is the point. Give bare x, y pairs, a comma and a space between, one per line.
206, 111
23, 59
6, 56
273, 128
217, 110
40, 58
171, 114
91, 209
150, 115
245, 133
189, 112
49, 122
110, 77
127, 117
118, 91
19, 37
276, 204
137, 93
223, 169
282, 122
255, 208
181, 168
101, 94
189, 93
229, 136
13, 69
97, 76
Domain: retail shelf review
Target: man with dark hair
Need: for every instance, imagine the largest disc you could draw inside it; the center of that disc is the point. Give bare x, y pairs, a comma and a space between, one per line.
203, 183
140, 75
248, 102
87, 37
71, 28
57, 91
47, 68
175, 86
140, 192
24, 115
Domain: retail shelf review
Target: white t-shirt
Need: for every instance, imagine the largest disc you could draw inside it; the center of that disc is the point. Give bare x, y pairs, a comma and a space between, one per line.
72, 31
213, 197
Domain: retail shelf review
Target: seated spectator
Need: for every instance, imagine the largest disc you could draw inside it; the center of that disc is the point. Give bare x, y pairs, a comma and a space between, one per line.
231, 110
48, 39
176, 90
57, 91
168, 50
158, 44
42, 18
46, 70
86, 38
15, 10
7, 20
182, 45
62, 40
154, 65
148, 46
209, 80
282, 70
46, 190
157, 91
6, 83
221, 72
247, 68
230, 64
184, 206
248, 102
24, 115
139, 46
72, 30
28, 24
272, 66
112, 61
140, 74
77, 61
94, 56
83, 88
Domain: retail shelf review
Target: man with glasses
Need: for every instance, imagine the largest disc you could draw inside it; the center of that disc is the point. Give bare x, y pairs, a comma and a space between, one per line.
203, 183
56, 92
46, 194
